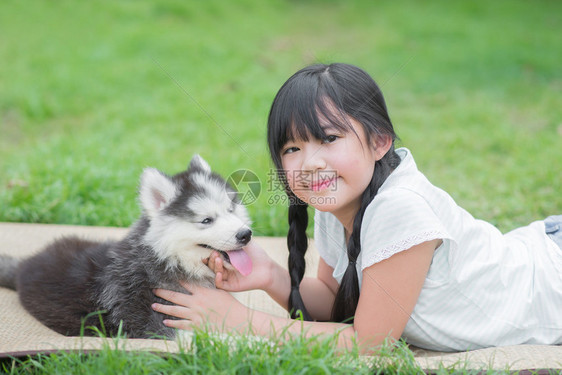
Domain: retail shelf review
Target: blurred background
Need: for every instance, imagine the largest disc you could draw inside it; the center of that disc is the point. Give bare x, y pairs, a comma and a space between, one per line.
93, 92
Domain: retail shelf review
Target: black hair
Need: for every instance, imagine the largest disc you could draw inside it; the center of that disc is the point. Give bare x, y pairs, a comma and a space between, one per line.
314, 94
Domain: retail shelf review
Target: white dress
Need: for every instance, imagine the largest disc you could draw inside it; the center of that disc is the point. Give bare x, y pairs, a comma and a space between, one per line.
483, 288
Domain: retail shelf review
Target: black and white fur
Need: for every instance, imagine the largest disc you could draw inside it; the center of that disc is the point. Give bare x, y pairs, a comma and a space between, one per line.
184, 218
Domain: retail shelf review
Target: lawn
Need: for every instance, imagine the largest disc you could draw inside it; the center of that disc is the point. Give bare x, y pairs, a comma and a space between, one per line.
224, 354
93, 92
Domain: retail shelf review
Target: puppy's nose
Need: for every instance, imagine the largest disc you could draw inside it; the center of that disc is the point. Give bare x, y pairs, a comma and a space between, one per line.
244, 236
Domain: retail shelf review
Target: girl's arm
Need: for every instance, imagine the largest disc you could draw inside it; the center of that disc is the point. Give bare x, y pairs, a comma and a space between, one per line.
267, 275
319, 293
389, 293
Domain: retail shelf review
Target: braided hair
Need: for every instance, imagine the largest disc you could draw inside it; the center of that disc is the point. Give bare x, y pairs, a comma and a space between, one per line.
328, 92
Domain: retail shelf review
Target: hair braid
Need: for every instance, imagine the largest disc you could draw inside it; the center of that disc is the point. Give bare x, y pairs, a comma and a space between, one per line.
347, 296
297, 242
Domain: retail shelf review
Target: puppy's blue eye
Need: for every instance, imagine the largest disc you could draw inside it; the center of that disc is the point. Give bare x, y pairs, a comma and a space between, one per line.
207, 220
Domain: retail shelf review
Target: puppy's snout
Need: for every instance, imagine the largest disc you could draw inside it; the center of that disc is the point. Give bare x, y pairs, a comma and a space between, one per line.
244, 236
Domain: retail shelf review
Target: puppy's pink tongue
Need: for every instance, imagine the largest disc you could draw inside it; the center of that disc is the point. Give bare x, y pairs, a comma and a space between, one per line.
241, 261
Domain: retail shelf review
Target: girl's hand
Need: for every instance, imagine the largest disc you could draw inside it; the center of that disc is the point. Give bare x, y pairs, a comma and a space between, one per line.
231, 280
215, 307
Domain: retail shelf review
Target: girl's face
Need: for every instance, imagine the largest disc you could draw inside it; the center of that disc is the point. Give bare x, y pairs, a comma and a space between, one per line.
331, 174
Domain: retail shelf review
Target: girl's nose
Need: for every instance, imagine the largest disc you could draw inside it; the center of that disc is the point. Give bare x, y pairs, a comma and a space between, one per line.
314, 159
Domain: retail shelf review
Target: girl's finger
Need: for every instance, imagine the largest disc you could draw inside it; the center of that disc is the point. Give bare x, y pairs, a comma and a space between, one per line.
219, 265
179, 324
176, 311
212, 263
174, 297
218, 281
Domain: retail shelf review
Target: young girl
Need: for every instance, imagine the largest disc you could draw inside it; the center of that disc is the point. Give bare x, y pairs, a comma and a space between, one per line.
398, 257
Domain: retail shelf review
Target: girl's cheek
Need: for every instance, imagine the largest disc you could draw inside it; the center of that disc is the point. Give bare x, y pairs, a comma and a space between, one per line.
287, 171
292, 182
290, 179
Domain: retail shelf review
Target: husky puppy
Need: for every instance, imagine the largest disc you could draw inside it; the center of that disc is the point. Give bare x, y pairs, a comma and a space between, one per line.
185, 217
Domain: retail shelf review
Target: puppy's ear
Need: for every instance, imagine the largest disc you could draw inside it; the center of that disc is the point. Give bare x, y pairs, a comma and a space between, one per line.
156, 191
197, 162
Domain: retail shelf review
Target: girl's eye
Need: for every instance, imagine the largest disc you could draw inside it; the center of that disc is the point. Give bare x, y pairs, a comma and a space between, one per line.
290, 150
207, 220
330, 139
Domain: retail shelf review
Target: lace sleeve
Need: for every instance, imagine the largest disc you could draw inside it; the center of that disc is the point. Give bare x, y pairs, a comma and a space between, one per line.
396, 222
399, 246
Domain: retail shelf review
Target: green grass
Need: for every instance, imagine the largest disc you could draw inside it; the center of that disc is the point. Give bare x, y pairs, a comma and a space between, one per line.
211, 353
223, 354
92, 92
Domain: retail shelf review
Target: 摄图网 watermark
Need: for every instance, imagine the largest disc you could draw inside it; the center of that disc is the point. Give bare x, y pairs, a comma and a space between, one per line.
249, 186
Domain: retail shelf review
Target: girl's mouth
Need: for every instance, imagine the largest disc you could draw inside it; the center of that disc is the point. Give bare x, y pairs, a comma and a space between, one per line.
324, 184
